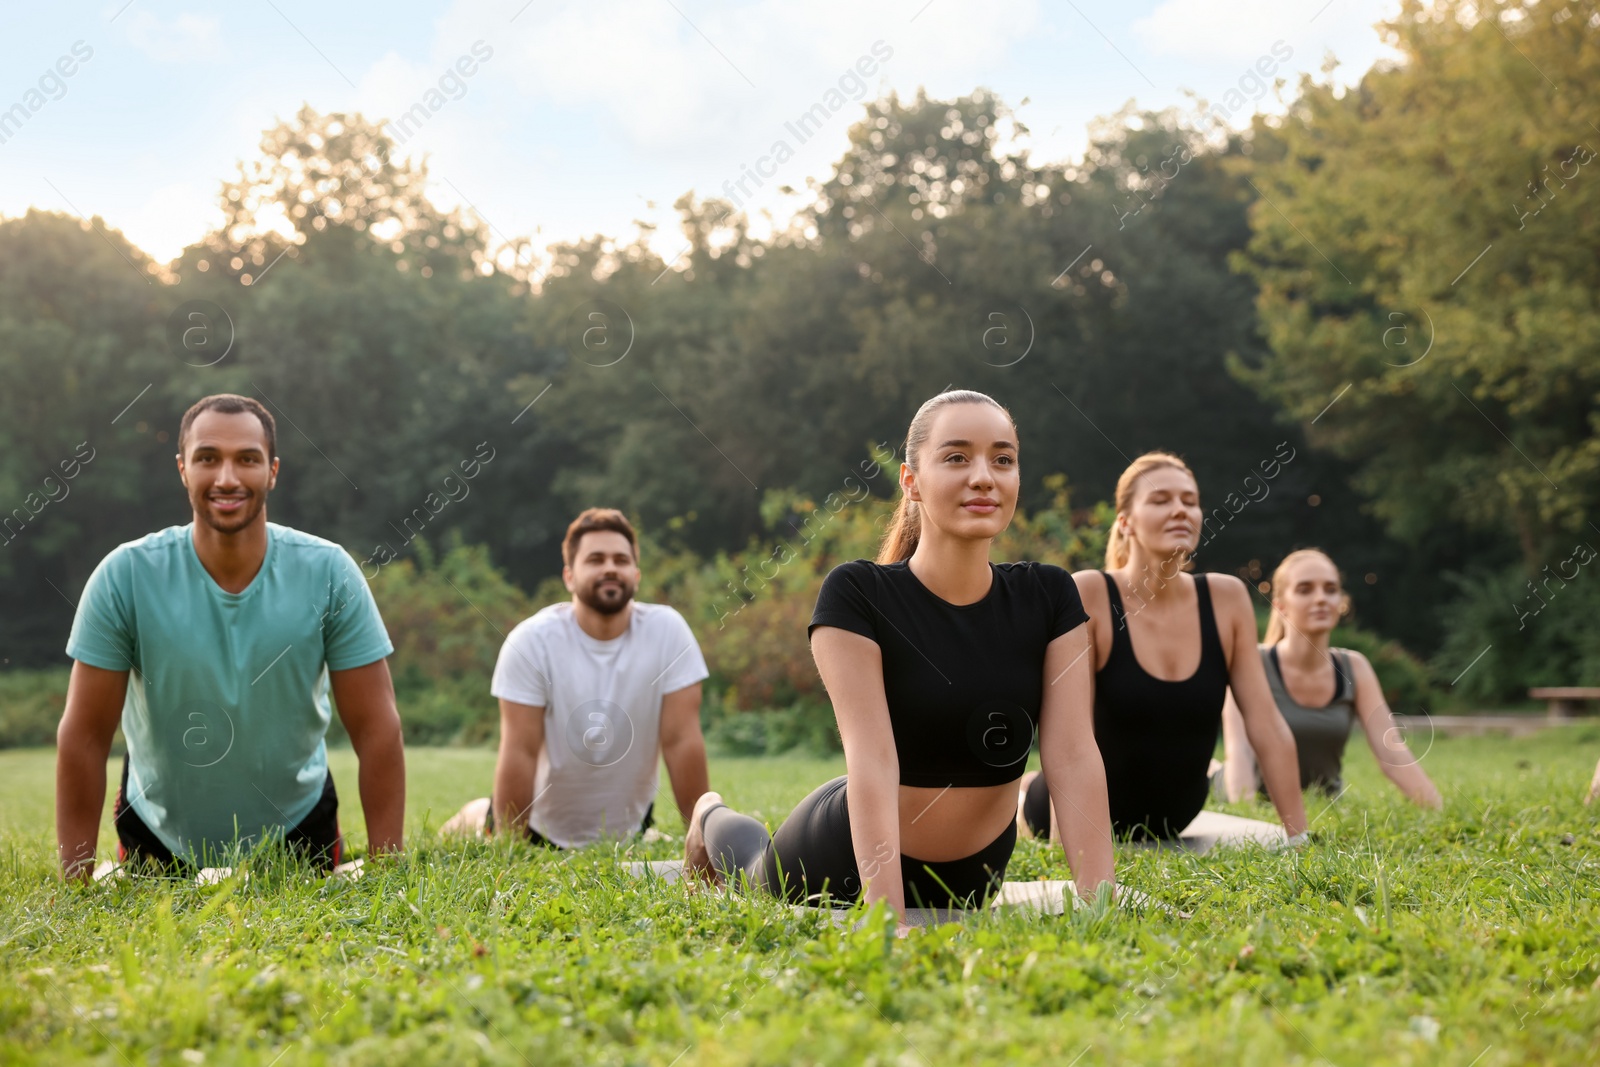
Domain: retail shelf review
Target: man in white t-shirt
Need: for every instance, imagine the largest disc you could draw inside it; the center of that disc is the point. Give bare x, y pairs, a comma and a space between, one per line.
593, 694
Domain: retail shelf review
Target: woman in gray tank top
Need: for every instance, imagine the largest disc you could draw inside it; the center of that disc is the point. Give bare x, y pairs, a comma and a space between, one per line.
1320, 690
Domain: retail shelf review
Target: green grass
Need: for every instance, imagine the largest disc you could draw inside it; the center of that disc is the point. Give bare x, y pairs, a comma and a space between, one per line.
1468, 937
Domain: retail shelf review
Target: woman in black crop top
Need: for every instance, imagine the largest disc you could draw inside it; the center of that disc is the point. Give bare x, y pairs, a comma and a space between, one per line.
1303, 668
940, 666
1157, 711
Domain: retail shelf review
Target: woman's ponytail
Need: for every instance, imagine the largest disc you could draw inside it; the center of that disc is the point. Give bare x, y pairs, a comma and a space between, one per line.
905, 530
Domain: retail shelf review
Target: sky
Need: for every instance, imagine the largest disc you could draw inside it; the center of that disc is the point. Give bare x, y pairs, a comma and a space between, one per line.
583, 118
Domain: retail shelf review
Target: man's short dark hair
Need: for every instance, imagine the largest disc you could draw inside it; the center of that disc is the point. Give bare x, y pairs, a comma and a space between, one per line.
597, 519
230, 404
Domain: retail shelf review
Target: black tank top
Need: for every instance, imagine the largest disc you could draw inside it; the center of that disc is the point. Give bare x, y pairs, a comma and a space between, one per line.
1157, 737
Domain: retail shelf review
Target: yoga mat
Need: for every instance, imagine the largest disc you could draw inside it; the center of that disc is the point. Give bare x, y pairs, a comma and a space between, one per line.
1213, 829
1209, 830
1042, 898
214, 875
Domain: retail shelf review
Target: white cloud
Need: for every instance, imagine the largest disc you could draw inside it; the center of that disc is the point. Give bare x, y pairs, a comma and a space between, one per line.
627, 57
392, 85
960, 37
706, 73
599, 106
186, 39
1208, 30
172, 217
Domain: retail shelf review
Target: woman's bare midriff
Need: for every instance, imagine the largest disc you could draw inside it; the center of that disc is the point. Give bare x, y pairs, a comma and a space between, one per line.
954, 822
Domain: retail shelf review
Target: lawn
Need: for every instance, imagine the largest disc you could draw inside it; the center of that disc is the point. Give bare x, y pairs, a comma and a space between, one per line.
1469, 937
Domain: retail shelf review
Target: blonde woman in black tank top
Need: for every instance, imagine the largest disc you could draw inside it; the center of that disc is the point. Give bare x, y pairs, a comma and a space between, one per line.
1167, 646
1307, 601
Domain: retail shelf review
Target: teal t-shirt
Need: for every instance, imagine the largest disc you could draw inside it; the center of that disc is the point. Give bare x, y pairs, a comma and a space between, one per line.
227, 703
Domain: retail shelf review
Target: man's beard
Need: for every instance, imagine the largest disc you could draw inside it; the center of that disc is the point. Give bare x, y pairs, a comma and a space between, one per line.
606, 600
254, 504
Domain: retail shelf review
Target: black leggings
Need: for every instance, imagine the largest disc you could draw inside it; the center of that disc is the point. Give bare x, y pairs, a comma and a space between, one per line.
317, 836
812, 856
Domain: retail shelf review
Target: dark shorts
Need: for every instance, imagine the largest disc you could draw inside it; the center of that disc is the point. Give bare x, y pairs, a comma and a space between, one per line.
317, 836
812, 855
536, 838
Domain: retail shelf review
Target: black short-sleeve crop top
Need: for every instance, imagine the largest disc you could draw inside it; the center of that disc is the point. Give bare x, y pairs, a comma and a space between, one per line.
963, 682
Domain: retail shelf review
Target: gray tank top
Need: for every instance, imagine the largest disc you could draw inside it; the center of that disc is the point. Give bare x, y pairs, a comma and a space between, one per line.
1320, 734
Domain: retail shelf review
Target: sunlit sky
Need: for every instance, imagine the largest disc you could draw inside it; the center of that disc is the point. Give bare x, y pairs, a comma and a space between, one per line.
581, 118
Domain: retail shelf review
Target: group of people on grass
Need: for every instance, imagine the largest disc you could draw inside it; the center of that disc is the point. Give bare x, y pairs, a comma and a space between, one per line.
217, 644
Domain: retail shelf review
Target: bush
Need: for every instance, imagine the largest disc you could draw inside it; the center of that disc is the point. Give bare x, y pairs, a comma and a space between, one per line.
31, 703
449, 615
806, 728
1408, 682
1528, 632
447, 618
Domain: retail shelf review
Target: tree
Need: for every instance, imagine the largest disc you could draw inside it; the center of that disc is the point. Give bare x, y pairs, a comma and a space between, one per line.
81, 429
335, 175
1425, 253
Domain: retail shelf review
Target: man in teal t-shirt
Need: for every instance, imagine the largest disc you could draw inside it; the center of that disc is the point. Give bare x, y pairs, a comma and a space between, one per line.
215, 645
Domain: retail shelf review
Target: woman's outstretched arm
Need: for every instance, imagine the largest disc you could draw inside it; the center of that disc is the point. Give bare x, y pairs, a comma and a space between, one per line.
1239, 759
1263, 723
1394, 758
1071, 759
852, 670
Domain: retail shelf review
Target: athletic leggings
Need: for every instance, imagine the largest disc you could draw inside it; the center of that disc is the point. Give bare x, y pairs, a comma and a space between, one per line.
812, 857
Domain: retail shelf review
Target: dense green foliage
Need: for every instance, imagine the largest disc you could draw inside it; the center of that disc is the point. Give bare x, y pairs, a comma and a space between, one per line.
30, 706
1527, 633
1192, 289
448, 614
391, 358
447, 617
1398, 937
1424, 249
1382, 200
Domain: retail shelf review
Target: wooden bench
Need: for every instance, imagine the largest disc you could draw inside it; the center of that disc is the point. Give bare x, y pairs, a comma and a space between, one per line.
1566, 701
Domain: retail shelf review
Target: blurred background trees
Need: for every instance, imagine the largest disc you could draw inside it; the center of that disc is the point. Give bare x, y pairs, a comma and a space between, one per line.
1394, 284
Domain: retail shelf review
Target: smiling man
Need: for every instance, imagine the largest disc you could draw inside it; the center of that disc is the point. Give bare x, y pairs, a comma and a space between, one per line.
594, 694
214, 645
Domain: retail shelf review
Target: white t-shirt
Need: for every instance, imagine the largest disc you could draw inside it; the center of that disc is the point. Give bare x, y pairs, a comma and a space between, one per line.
599, 764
